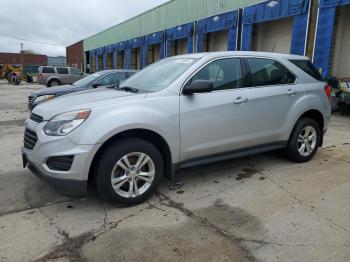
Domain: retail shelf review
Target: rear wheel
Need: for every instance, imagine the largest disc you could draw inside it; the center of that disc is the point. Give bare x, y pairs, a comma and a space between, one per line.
53, 82
129, 171
304, 141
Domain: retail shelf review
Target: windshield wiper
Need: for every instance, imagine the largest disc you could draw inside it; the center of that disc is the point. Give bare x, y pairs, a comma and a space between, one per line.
127, 89
111, 86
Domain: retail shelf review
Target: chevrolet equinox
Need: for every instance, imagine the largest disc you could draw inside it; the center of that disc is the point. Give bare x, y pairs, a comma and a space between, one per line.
179, 112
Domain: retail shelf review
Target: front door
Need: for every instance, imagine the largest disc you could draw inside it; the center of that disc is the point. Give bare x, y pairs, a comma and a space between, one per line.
75, 74
219, 121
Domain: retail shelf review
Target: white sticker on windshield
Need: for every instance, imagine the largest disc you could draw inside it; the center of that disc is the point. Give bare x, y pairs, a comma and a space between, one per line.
184, 61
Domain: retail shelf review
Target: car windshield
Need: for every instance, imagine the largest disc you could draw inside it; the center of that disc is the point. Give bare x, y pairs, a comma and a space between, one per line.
87, 80
158, 76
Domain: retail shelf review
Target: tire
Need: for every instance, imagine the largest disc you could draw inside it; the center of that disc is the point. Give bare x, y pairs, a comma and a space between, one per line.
53, 82
299, 138
109, 166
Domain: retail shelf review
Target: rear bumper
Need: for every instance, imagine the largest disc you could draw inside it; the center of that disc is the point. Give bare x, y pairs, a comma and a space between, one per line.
68, 187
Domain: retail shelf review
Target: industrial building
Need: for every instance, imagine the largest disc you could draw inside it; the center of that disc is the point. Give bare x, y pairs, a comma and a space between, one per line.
75, 56
23, 59
319, 29
56, 61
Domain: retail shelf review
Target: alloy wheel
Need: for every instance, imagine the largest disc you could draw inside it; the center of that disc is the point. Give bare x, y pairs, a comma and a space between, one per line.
133, 174
307, 141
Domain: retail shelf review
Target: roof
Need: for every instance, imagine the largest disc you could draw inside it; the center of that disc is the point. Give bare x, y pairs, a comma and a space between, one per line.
240, 53
118, 70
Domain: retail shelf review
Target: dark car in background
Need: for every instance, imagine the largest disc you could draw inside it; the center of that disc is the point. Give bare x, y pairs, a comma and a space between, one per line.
99, 79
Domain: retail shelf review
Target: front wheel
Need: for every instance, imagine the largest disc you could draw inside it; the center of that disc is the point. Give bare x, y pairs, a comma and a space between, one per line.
53, 83
129, 171
304, 141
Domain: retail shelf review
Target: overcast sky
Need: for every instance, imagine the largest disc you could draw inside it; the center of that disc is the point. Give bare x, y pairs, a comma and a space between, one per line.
62, 22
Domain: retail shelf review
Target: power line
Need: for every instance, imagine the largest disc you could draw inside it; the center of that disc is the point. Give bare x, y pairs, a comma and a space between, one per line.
32, 41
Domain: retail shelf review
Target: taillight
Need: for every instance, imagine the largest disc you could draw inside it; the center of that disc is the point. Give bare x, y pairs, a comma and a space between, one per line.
328, 90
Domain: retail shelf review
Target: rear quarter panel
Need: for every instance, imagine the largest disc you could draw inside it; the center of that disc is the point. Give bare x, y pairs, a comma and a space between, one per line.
314, 99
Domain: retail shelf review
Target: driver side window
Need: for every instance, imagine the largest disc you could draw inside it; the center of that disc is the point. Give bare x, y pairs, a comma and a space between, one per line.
224, 73
75, 71
112, 79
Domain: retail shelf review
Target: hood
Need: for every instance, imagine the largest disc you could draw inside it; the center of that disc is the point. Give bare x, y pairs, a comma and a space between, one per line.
84, 100
55, 90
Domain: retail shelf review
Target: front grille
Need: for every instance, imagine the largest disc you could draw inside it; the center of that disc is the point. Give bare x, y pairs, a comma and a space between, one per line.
60, 163
36, 118
30, 99
30, 139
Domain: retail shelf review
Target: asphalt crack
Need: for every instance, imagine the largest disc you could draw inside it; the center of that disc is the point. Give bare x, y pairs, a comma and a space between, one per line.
70, 246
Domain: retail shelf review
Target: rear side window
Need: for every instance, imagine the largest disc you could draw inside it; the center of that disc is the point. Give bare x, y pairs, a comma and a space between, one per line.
224, 73
62, 70
48, 70
75, 71
308, 68
265, 72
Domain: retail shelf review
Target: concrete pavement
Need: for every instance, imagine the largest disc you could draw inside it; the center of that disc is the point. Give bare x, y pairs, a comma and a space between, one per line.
260, 208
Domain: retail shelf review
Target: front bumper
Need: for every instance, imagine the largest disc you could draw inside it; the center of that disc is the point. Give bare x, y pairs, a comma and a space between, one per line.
72, 182
68, 187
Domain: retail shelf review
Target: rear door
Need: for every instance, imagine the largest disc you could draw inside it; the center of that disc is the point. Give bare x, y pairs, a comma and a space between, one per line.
63, 74
46, 73
220, 121
273, 93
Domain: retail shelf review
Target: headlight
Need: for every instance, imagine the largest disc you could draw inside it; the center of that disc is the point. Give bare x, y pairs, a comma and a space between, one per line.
40, 99
65, 123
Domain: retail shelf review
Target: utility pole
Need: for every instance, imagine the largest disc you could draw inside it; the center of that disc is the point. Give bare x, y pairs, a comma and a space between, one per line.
21, 48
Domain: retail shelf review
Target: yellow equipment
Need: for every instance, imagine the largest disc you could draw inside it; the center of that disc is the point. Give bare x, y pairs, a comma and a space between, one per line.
14, 74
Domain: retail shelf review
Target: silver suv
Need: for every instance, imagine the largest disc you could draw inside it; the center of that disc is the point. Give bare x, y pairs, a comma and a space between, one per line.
57, 75
180, 112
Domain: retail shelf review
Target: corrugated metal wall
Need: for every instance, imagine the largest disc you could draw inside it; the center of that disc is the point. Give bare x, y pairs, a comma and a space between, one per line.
168, 15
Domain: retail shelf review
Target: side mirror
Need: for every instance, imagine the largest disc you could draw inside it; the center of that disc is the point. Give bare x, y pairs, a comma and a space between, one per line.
198, 86
96, 85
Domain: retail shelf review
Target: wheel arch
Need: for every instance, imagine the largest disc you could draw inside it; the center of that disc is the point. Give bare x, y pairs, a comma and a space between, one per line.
315, 115
53, 78
148, 135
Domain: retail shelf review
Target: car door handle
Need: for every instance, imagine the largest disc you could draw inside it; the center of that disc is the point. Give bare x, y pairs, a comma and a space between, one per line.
291, 92
240, 100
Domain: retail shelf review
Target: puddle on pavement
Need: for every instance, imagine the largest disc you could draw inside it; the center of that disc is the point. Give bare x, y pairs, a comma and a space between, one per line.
235, 220
247, 173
